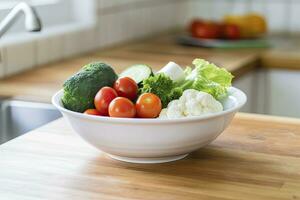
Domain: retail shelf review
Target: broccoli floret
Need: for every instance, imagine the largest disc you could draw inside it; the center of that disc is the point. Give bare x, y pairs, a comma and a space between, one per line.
81, 88
163, 87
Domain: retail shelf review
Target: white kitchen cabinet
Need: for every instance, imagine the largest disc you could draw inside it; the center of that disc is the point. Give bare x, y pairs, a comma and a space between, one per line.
254, 85
260, 91
273, 92
283, 93
247, 84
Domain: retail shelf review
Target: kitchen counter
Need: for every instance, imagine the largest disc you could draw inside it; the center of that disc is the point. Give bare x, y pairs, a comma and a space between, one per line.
257, 157
40, 83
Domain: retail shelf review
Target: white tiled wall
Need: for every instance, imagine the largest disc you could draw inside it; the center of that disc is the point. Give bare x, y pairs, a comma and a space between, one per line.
49, 49
112, 22
124, 20
18, 56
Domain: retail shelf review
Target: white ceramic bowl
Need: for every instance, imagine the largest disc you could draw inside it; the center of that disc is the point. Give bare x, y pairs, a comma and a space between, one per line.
152, 140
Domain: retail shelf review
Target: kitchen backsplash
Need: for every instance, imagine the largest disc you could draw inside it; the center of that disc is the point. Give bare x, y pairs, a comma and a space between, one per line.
122, 20
116, 21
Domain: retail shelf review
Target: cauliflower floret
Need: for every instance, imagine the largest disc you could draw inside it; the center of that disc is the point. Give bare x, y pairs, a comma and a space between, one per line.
163, 114
191, 103
175, 109
197, 103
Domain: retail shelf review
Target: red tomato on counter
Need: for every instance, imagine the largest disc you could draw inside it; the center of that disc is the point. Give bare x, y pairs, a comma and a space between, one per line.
207, 30
194, 24
148, 105
126, 87
121, 107
103, 98
231, 31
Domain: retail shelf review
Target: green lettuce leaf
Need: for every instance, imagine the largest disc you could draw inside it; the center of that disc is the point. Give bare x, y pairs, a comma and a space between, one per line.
207, 77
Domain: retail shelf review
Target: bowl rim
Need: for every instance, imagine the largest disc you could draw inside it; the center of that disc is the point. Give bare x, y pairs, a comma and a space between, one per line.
56, 101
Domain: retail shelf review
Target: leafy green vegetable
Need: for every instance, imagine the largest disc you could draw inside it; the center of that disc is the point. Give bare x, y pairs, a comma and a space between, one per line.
213, 73
205, 77
81, 88
209, 78
162, 86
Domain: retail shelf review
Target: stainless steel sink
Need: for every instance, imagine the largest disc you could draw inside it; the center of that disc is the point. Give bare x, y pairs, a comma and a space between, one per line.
19, 117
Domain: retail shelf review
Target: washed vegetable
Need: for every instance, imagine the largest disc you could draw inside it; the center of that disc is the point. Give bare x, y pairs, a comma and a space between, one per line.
250, 25
207, 77
92, 112
231, 32
205, 29
126, 87
81, 88
137, 72
103, 98
121, 107
174, 71
191, 103
162, 86
191, 92
231, 27
148, 105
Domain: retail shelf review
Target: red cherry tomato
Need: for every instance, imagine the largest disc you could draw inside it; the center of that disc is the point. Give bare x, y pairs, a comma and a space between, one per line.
92, 112
126, 87
148, 105
103, 98
121, 107
194, 24
231, 31
207, 30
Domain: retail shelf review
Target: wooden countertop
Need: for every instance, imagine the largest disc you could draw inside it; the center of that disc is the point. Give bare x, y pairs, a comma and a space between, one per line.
257, 157
40, 83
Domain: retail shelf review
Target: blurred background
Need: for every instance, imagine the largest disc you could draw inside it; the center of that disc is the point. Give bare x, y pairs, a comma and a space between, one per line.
76, 27
105, 22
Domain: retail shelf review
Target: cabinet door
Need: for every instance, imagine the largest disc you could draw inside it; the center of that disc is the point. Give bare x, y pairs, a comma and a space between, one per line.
247, 84
283, 93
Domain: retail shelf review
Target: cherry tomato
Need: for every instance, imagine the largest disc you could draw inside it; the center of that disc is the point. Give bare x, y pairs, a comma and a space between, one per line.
231, 31
194, 24
126, 87
207, 30
148, 105
92, 112
121, 107
103, 98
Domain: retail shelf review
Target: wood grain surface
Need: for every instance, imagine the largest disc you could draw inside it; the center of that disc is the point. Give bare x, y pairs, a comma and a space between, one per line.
256, 158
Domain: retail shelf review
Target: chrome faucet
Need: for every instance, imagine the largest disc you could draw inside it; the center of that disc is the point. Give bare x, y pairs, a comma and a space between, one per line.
32, 20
